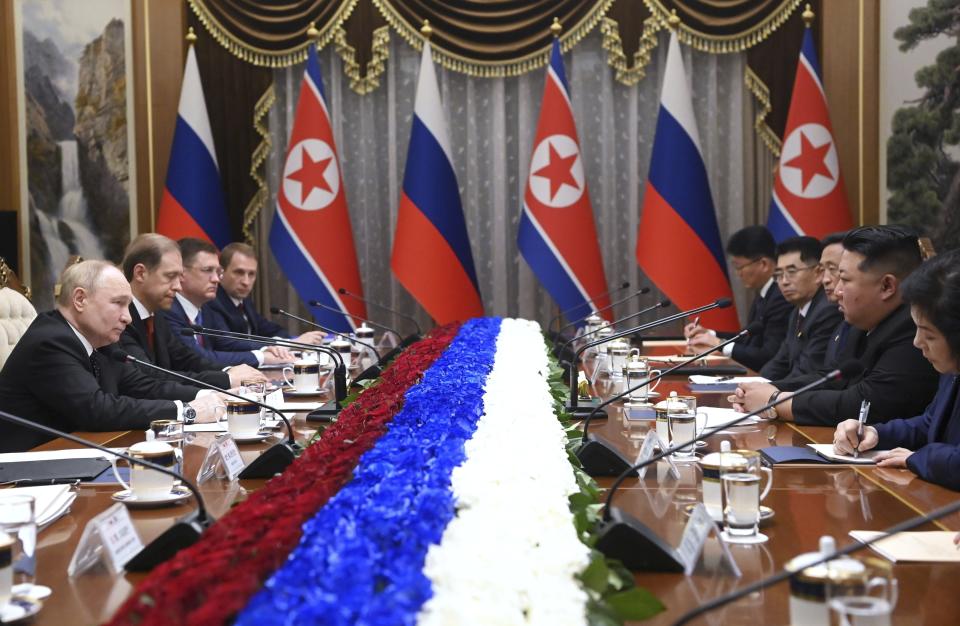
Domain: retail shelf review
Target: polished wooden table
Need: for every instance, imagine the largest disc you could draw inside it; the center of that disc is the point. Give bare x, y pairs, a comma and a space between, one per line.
808, 501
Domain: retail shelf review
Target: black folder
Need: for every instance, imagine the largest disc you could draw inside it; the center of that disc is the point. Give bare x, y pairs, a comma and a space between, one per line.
53, 471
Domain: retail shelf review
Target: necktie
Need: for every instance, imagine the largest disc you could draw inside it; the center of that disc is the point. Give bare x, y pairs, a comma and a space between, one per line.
95, 364
246, 320
800, 318
148, 323
198, 320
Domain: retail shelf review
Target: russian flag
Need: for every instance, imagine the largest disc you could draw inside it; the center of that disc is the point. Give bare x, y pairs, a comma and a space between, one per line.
678, 240
431, 248
809, 197
192, 203
557, 236
311, 235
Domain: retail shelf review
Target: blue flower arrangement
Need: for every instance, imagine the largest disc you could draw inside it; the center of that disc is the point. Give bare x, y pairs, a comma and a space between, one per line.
360, 560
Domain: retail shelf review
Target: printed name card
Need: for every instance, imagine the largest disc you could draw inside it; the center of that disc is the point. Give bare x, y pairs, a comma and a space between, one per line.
109, 537
274, 398
223, 460
650, 442
698, 528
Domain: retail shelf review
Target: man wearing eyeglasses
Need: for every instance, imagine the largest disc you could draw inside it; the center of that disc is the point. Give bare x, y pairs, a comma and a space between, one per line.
201, 276
752, 253
813, 319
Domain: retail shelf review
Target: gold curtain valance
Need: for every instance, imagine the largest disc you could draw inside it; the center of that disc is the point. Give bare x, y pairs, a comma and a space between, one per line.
486, 37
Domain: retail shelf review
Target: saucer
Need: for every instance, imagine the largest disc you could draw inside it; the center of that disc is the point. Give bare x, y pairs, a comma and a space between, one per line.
290, 391
753, 540
766, 513
31, 591
177, 495
254, 437
19, 610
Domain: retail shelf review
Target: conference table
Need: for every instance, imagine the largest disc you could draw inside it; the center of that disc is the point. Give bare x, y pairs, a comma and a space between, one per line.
808, 501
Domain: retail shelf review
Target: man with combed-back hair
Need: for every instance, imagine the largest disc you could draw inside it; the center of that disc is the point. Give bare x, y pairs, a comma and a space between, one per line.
61, 373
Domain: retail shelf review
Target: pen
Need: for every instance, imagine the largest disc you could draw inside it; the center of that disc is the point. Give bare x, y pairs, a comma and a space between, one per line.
862, 419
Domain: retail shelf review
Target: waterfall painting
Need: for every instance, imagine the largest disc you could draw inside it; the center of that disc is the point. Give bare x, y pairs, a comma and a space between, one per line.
74, 66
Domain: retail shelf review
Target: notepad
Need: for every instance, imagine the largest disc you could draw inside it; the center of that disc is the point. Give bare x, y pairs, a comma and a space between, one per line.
817, 453
719, 417
826, 451
913, 547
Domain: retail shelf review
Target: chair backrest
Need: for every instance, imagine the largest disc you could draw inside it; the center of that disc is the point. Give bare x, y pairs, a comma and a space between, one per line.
16, 314
8, 278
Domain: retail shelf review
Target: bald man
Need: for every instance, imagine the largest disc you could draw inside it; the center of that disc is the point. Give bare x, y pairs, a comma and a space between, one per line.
60, 373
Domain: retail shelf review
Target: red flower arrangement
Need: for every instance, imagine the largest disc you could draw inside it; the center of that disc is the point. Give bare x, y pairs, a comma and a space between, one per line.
209, 582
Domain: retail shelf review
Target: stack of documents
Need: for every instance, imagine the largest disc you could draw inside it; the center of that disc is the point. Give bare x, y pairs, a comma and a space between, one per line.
719, 417
721, 383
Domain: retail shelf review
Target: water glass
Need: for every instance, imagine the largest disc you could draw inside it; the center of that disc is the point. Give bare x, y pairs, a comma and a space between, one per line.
18, 521
741, 516
683, 428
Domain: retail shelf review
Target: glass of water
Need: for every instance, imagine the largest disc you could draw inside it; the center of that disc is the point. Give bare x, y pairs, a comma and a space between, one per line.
17, 520
866, 598
683, 428
741, 515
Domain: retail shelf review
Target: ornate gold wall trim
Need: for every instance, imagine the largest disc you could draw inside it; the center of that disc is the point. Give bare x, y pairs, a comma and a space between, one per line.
270, 58
761, 93
722, 44
363, 84
257, 159
616, 58
493, 69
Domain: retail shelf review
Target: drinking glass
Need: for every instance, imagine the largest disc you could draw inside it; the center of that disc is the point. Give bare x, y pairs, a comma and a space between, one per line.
683, 428
255, 390
17, 520
864, 599
741, 516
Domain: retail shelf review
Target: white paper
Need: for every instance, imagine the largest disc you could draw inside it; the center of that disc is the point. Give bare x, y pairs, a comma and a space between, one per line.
934, 546
718, 417
699, 379
50, 455
826, 450
50, 501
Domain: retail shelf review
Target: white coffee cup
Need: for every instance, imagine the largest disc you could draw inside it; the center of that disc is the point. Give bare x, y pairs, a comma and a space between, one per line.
243, 418
304, 376
144, 482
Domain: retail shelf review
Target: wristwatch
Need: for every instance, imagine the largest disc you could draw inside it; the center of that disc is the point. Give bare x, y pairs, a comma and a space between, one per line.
189, 414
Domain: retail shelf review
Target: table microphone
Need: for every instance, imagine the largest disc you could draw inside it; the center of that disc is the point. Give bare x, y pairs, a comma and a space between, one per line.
369, 346
406, 340
720, 303
598, 457
328, 410
763, 583
273, 460
622, 536
344, 292
659, 305
184, 532
609, 292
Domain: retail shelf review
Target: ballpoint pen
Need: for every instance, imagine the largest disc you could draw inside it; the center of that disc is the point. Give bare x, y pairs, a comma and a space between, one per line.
862, 419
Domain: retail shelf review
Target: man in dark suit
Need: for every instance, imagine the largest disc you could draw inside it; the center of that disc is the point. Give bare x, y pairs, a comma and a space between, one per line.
234, 304
830, 263
60, 374
896, 379
153, 267
752, 253
201, 276
813, 319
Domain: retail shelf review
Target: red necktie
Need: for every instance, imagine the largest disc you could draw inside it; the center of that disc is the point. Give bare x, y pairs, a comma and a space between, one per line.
148, 323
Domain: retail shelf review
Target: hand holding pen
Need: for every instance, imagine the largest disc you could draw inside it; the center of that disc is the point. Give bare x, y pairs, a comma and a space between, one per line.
861, 421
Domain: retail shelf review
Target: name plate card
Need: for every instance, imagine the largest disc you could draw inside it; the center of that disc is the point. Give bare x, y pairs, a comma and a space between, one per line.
109, 537
698, 528
651, 441
223, 460
274, 398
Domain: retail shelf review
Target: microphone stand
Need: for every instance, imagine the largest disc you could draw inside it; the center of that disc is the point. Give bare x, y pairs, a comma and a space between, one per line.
274, 459
325, 412
406, 341
184, 532
658, 305
599, 458
639, 292
576, 410
344, 292
624, 537
608, 292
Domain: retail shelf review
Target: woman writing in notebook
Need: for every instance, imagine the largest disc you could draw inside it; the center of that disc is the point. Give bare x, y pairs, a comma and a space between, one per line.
928, 444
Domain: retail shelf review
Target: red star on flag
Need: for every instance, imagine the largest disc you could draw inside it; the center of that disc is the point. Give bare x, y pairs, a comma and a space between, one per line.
558, 171
310, 175
811, 160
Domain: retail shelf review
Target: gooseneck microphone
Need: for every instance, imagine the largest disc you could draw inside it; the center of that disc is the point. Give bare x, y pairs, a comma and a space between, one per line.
371, 347
572, 407
184, 532
622, 536
329, 409
344, 292
406, 340
273, 460
659, 305
625, 284
598, 457
783, 574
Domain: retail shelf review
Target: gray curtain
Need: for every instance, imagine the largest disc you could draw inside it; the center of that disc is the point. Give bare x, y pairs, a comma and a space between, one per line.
491, 123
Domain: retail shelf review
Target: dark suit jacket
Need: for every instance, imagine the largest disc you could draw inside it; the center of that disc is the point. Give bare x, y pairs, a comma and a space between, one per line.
220, 350
48, 379
896, 379
838, 339
773, 312
233, 318
803, 352
933, 436
170, 352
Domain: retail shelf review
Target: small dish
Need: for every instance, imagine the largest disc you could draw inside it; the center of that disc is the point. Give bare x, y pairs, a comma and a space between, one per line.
254, 437
19, 610
766, 513
289, 391
177, 495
